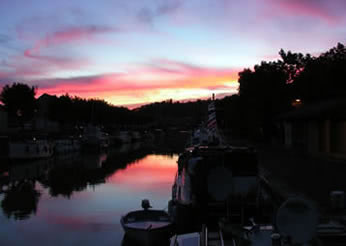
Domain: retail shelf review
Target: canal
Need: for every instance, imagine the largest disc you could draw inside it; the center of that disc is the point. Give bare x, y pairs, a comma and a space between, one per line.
79, 199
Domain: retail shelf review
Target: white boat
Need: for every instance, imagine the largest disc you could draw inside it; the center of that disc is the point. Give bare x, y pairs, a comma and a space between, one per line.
30, 149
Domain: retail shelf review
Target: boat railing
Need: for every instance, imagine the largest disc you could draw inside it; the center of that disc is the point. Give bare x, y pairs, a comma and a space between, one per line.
211, 237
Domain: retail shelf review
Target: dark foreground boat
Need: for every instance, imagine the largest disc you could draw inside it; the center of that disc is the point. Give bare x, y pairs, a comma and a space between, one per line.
147, 227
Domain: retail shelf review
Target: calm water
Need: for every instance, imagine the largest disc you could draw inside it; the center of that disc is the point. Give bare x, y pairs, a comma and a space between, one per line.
79, 199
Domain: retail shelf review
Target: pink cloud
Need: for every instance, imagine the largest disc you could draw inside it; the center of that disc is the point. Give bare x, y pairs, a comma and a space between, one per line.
43, 65
312, 8
69, 35
61, 37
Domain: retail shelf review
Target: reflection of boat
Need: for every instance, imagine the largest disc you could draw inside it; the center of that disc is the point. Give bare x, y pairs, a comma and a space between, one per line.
29, 149
147, 227
124, 137
68, 145
32, 170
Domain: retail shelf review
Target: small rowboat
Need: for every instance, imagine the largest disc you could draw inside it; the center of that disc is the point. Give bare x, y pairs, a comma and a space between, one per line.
147, 227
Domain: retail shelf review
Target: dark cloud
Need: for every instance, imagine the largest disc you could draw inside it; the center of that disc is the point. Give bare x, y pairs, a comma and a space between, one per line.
164, 7
145, 15
168, 7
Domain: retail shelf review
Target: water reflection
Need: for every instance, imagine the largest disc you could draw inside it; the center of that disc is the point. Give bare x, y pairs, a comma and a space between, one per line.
152, 173
64, 175
74, 199
20, 200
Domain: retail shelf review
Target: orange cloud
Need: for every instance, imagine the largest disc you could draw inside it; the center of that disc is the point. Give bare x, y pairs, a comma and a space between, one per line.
161, 77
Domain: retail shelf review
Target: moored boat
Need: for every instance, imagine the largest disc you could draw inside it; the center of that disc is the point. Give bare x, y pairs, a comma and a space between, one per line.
213, 182
147, 227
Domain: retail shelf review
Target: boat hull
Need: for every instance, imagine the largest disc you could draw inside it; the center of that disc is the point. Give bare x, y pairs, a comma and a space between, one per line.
147, 227
148, 237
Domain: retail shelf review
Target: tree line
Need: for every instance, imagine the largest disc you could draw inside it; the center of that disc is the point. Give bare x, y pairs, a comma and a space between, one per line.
19, 101
265, 91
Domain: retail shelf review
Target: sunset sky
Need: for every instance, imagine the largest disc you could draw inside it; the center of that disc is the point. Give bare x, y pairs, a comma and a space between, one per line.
136, 51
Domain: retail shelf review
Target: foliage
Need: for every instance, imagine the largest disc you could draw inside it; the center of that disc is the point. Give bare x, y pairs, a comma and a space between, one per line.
323, 77
174, 114
19, 100
72, 111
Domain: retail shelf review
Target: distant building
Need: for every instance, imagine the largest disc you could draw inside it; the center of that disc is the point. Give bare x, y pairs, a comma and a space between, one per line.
44, 103
318, 128
42, 122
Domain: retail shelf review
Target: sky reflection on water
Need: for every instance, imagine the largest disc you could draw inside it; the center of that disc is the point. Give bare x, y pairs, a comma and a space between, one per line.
91, 216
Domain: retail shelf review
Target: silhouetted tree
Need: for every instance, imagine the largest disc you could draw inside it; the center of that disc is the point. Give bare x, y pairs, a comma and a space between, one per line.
293, 64
323, 77
264, 93
19, 100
